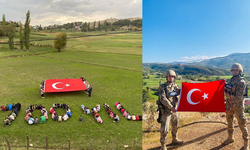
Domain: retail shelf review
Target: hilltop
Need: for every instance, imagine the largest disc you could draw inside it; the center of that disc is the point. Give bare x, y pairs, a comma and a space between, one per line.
185, 69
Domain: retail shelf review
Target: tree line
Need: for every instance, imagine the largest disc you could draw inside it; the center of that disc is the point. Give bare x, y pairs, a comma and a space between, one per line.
98, 26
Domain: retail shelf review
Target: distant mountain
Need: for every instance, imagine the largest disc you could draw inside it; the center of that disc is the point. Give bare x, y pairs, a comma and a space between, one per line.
213, 66
186, 69
227, 61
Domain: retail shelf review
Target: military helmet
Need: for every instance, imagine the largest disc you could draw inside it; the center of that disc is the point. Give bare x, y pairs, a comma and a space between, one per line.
170, 73
237, 66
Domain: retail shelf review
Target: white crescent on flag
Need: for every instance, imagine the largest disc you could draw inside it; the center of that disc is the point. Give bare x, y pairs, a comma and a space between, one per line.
54, 86
189, 97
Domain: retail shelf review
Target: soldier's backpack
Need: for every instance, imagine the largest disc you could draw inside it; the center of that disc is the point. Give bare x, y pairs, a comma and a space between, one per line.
160, 107
246, 88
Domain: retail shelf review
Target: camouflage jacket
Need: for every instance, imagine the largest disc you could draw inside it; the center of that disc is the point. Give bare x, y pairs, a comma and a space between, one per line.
235, 97
164, 97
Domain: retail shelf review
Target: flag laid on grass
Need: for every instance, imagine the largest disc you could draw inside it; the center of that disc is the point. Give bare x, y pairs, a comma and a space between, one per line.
202, 97
64, 85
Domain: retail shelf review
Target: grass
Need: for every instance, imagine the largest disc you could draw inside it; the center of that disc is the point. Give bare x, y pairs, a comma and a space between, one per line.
222, 77
113, 60
121, 43
109, 76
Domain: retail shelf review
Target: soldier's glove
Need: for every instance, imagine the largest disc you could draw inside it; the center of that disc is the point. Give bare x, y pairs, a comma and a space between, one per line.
173, 110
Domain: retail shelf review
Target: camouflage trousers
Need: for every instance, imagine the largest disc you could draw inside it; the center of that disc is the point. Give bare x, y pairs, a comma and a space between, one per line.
239, 114
166, 119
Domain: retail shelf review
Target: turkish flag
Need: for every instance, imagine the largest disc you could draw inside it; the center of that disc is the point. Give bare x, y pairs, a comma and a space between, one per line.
63, 85
202, 97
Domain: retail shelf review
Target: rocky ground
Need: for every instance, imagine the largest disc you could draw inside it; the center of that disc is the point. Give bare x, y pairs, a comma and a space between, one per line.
208, 132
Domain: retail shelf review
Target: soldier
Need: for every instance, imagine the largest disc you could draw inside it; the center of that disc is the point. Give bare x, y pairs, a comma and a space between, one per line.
235, 105
42, 89
167, 107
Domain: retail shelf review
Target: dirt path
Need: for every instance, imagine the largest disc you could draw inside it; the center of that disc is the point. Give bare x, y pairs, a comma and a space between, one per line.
206, 133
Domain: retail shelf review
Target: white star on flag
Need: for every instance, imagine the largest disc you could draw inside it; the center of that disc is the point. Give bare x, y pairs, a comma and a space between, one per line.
67, 85
205, 96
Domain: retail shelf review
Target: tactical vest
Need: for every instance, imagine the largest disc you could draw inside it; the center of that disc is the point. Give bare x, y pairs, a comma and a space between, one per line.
231, 89
173, 99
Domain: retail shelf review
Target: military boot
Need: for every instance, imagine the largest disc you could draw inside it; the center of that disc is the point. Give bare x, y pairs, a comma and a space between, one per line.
229, 140
163, 146
246, 145
176, 141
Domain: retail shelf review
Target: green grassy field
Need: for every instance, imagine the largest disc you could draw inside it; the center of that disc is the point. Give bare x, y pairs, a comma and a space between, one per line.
222, 77
114, 72
120, 43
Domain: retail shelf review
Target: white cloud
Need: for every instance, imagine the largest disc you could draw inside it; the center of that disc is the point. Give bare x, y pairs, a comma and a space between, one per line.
61, 19
196, 58
47, 12
53, 1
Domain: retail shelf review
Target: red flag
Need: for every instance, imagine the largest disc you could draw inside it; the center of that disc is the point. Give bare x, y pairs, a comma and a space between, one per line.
202, 97
64, 85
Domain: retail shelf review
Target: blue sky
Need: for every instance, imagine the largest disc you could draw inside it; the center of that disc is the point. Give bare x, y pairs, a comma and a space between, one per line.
188, 30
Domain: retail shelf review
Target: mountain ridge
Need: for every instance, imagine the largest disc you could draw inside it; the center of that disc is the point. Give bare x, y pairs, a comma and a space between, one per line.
185, 69
227, 61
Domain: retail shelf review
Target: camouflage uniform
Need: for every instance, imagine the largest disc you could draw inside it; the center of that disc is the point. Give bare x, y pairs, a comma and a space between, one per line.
235, 100
167, 115
42, 90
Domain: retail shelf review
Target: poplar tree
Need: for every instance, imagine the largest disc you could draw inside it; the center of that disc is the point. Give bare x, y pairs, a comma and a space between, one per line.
21, 36
11, 41
27, 31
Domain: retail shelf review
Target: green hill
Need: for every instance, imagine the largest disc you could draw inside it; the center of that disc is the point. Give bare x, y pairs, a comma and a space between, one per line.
185, 69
